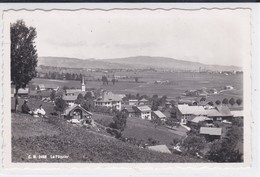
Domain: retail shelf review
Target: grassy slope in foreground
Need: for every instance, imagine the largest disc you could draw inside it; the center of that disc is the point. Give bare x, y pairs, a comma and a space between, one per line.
53, 136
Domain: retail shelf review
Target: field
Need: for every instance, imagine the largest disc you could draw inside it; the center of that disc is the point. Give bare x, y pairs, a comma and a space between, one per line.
53, 136
178, 83
142, 130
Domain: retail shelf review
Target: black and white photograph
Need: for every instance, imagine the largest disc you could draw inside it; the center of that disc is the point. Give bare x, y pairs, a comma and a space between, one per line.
129, 85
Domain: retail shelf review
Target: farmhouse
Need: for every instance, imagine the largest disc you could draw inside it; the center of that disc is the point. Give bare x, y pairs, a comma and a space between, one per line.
185, 112
40, 87
143, 112
188, 102
132, 102
77, 113
128, 109
211, 133
110, 100
143, 101
70, 99
21, 92
158, 115
195, 121
76, 92
237, 114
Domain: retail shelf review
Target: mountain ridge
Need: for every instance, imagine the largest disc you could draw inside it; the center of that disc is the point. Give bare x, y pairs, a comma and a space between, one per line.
137, 62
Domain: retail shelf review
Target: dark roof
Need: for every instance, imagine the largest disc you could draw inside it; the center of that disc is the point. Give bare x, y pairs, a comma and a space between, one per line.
224, 110
128, 108
159, 114
75, 106
109, 96
70, 97
210, 131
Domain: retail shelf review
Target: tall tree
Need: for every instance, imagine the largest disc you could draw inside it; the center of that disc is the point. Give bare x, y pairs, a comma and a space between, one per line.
23, 56
53, 95
217, 102
225, 101
119, 121
60, 105
231, 101
239, 101
80, 99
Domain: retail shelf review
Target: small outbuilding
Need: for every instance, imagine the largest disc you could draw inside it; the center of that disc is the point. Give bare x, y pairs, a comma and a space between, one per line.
158, 115
211, 133
76, 112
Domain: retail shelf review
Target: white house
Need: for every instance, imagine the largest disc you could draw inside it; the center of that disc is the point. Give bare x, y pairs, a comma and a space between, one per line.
185, 112
143, 112
110, 100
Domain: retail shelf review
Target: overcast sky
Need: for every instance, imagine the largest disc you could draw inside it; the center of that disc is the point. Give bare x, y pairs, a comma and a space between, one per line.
206, 36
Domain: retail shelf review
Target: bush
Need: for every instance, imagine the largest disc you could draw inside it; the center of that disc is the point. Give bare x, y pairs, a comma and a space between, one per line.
194, 144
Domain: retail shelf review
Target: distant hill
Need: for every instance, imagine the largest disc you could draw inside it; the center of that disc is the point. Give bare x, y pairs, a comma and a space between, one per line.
138, 62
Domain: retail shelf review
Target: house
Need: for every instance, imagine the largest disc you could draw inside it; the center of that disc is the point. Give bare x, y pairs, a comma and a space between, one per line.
21, 92
110, 100
196, 120
185, 112
168, 104
128, 109
160, 148
76, 92
225, 112
237, 114
143, 101
143, 112
188, 102
132, 102
228, 87
211, 133
77, 112
40, 87
158, 115
70, 99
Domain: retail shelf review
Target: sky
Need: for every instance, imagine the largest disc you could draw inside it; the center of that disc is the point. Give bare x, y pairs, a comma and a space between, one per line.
207, 36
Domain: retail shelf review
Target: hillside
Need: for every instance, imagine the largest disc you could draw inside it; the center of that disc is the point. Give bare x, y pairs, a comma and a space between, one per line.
139, 62
53, 136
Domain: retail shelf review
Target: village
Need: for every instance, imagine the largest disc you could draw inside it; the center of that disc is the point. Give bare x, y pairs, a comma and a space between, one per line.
192, 115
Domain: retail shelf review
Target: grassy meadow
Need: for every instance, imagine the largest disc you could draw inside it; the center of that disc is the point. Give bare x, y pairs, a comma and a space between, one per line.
54, 136
178, 83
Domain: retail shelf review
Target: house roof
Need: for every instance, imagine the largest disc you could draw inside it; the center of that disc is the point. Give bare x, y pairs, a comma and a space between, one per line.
200, 119
70, 91
213, 113
160, 148
144, 108
143, 100
186, 101
237, 113
129, 109
109, 96
41, 86
210, 131
224, 110
70, 97
21, 91
193, 110
133, 100
75, 106
159, 114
